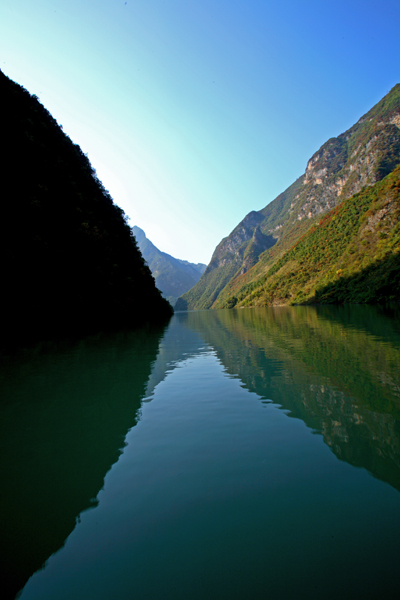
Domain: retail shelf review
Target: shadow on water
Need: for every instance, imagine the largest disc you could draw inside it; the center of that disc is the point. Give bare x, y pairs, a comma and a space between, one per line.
336, 368
66, 408
65, 411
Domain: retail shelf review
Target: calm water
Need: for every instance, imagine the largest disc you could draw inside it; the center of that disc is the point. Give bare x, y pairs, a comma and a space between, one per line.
245, 454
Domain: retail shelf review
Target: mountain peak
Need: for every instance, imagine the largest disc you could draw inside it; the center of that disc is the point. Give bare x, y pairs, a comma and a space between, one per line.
173, 276
138, 233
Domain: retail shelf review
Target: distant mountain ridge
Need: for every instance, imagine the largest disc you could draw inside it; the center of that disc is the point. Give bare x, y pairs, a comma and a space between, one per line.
173, 276
360, 157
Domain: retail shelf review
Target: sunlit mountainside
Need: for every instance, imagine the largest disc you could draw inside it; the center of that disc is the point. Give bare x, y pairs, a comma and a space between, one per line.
69, 260
351, 256
289, 253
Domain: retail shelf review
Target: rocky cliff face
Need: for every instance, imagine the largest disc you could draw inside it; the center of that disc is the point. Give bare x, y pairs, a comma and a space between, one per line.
333, 173
360, 157
352, 256
235, 254
232, 247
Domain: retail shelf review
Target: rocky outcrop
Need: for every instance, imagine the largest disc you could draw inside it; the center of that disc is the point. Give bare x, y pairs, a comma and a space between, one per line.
259, 243
231, 247
234, 255
360, 157
333, 173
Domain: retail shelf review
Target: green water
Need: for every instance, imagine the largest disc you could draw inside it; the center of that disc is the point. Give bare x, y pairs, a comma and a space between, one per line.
236, 454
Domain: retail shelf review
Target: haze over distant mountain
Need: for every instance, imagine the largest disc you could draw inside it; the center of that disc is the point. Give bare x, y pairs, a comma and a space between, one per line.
241, 268
173, 276
67, 255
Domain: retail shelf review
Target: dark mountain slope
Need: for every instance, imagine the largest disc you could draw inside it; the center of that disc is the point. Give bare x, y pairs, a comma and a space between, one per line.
344, 165
173, 276
68, 258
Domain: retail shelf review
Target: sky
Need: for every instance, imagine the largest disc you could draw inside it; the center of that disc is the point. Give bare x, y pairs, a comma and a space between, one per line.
195, 112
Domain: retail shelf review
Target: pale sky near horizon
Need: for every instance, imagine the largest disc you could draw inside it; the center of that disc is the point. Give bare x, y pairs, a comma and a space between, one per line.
195, 112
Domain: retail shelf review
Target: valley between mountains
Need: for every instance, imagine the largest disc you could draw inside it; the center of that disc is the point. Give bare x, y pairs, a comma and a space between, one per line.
71, 262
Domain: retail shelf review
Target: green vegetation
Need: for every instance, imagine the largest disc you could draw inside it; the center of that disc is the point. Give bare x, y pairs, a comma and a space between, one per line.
250, 275
68, 258
275, 212
233, 255
206, 291
352, 256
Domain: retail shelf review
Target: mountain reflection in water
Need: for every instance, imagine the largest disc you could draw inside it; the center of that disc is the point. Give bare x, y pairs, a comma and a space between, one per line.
338, 371
217, 494
64, 413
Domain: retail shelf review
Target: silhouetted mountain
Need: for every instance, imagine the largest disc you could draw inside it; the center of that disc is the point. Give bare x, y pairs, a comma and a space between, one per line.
173, 276
360, 157
68, 257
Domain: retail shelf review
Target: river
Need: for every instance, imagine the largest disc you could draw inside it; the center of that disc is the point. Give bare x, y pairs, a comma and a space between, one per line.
243, 454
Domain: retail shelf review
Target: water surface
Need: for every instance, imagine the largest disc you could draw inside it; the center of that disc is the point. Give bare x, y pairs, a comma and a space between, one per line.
238, 454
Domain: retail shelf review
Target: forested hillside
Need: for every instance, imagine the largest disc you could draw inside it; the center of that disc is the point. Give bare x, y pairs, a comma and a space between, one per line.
351, 256
342, 167
68, 258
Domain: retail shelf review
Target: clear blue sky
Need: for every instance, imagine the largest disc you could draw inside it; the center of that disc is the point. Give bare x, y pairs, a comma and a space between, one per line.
194, 112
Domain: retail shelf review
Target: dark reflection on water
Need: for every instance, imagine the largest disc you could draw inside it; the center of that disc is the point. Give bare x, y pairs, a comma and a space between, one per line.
218, 494
336, 368
65, 410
